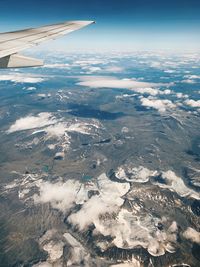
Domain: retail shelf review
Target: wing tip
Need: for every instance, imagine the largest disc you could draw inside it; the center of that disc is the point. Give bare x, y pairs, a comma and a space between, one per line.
83, 22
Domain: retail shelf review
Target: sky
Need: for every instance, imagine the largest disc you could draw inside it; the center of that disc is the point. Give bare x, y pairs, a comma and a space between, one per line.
121, 25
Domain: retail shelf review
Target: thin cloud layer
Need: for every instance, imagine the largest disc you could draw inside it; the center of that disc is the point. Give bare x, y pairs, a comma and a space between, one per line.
57, 66
22, 78
112, 82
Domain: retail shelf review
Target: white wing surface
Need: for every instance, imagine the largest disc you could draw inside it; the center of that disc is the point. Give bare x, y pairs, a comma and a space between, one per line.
13, 42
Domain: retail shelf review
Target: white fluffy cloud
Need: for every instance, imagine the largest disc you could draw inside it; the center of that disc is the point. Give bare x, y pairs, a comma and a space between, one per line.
160, 104
91, 210
32, 122
65, 195
109, 200
91, 69
181, 95
22, 78
147, 90
193, 103
61, 195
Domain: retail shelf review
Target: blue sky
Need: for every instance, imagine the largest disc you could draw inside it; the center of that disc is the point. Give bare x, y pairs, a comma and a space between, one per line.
121, 25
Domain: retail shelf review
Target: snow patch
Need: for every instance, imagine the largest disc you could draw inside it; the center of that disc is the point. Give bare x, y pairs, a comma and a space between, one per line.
192, 235
134, 174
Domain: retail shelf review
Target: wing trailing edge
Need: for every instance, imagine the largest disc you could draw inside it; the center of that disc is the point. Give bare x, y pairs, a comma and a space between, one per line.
19, 61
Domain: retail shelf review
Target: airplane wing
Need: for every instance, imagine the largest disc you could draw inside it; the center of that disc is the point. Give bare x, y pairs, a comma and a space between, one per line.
13, 42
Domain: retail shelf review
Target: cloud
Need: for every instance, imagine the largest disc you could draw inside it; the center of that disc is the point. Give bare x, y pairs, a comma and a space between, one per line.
190, 81
91, 211
166, 92
107, 201
162, 105
112, 82
114, 69
43, 95
91, 69
22, 78
90, 61
64, 195
56, 130
181, 95
31, 88
152, 91
57, 66
192, 235
192, 76
170, 71
149, 91
32, 122
101, 204
61, 128
192, 103
56, 127
61, 195
131, 84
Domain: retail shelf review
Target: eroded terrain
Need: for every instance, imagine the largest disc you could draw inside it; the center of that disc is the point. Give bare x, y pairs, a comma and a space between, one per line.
99, 162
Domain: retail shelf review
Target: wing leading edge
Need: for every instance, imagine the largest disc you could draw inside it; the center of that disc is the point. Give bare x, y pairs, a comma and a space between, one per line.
13, 42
